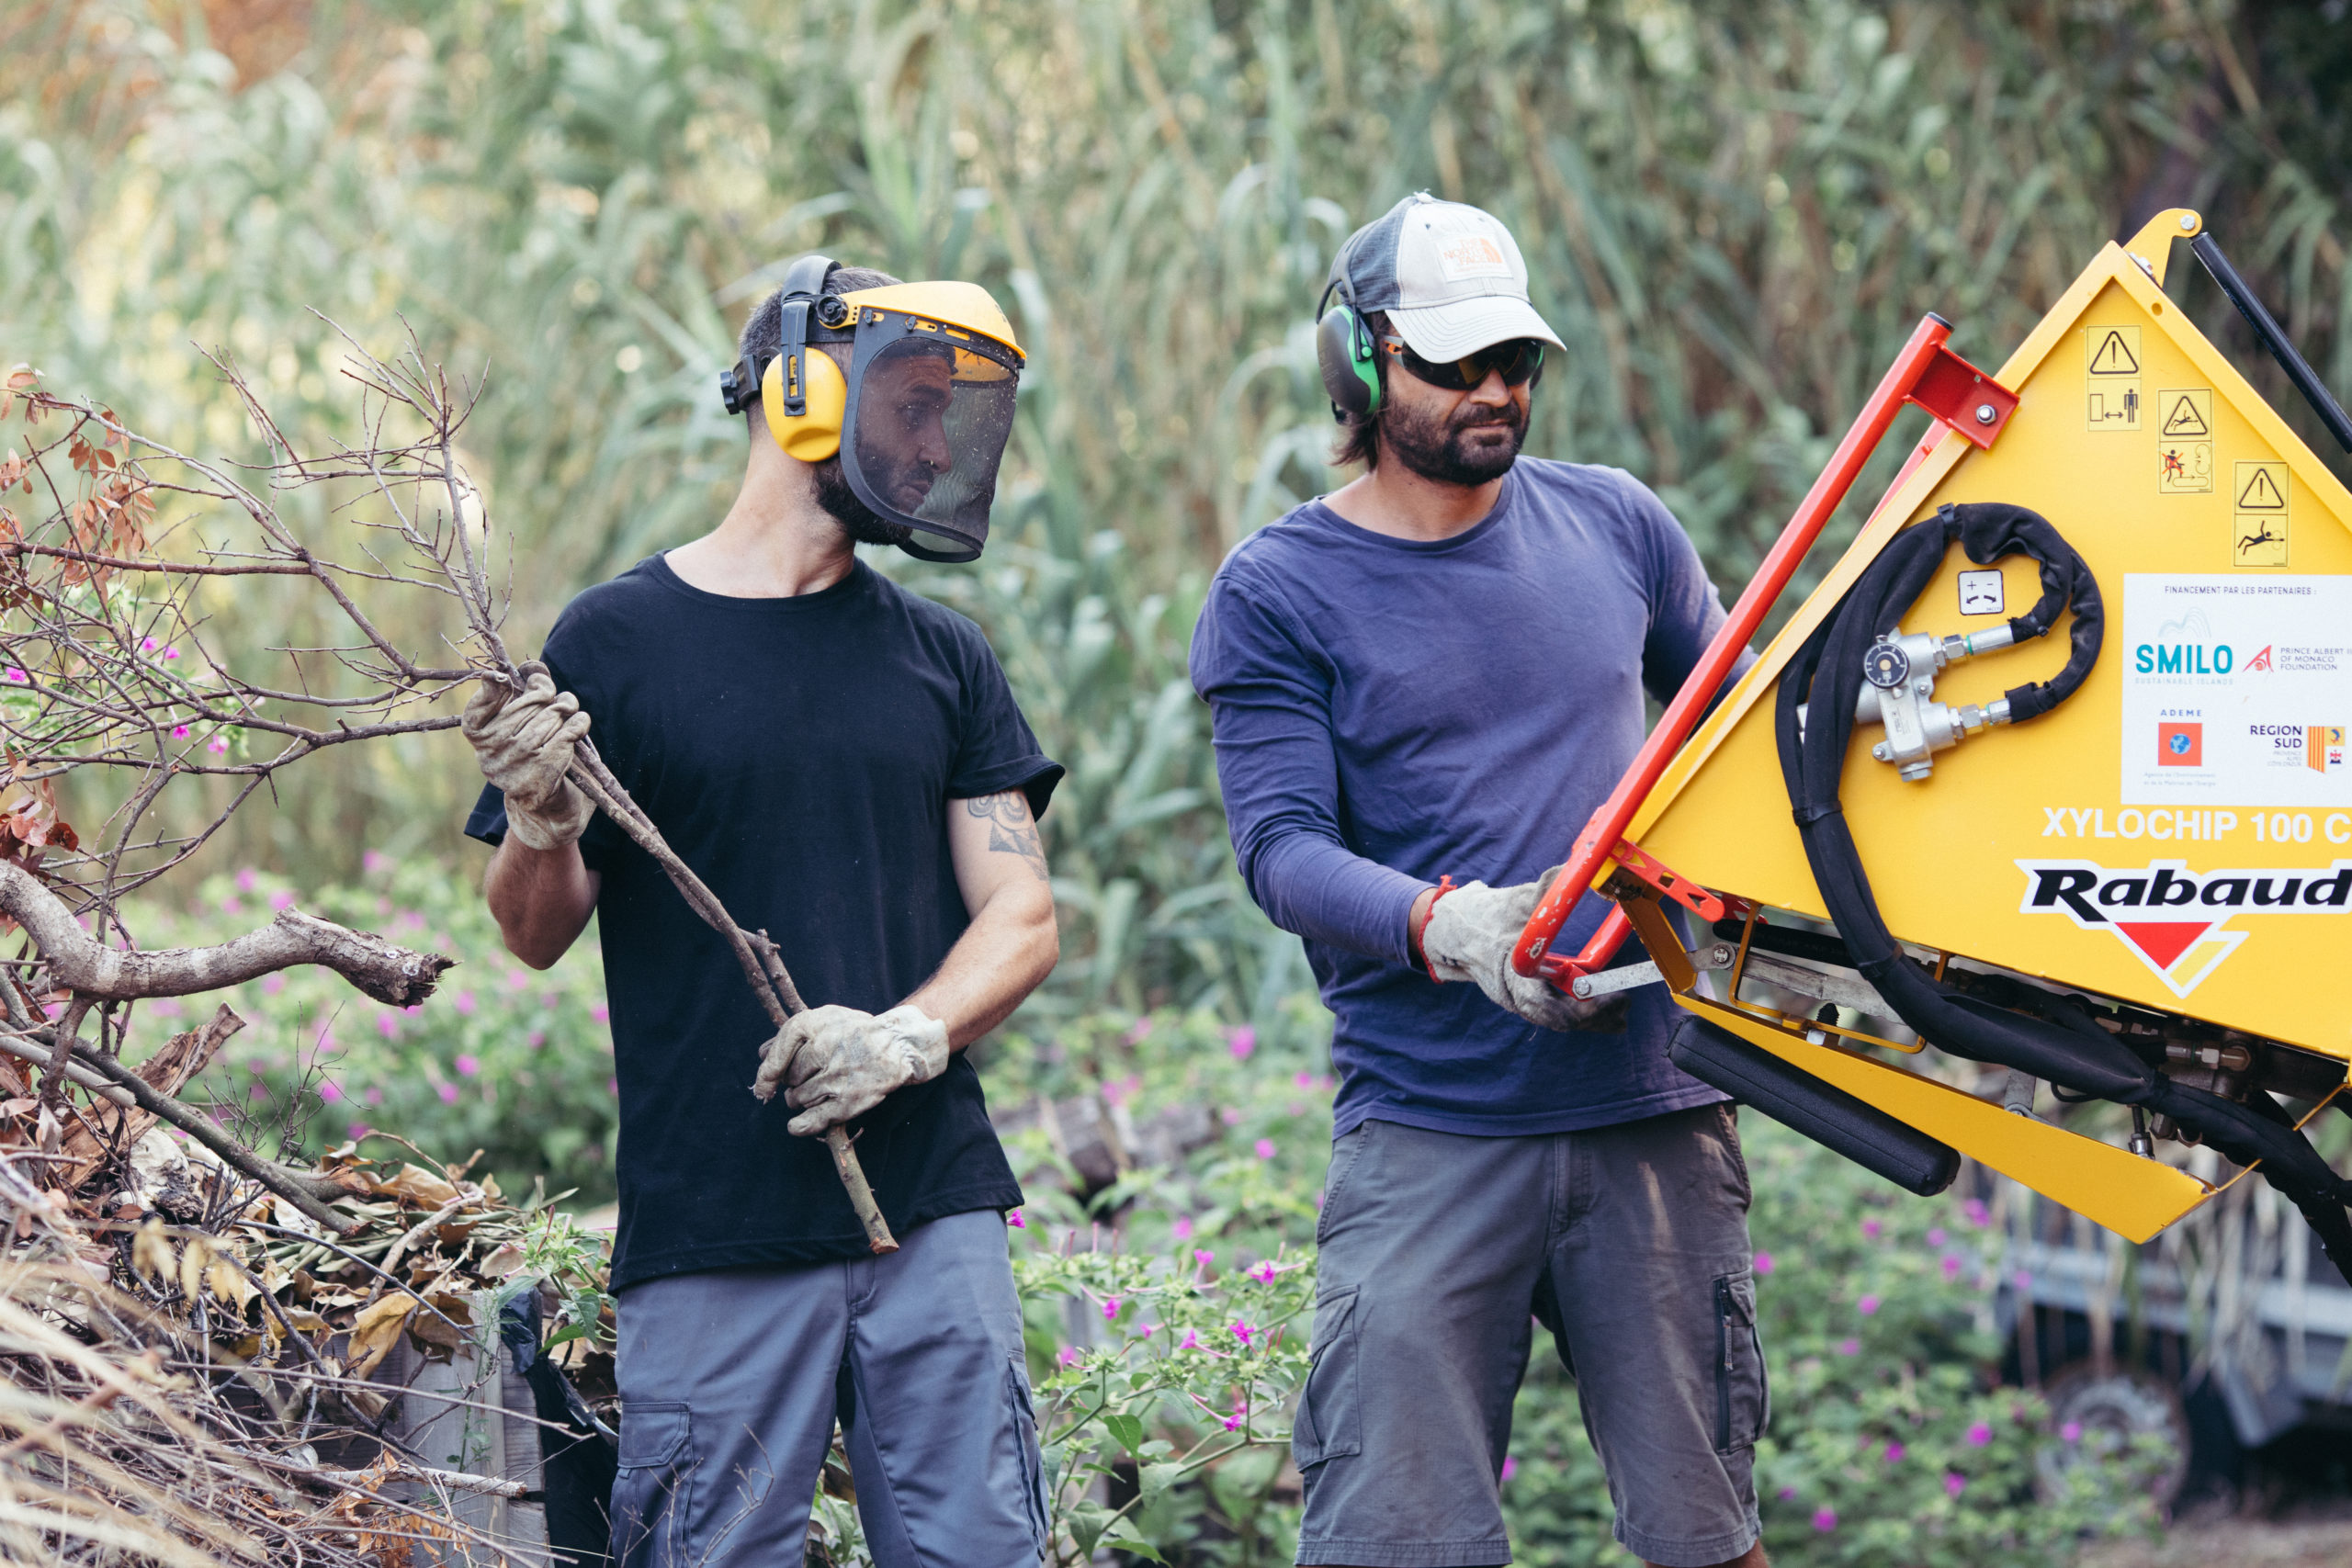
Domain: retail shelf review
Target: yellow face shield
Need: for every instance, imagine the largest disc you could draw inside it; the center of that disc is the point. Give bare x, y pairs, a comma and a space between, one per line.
920, 419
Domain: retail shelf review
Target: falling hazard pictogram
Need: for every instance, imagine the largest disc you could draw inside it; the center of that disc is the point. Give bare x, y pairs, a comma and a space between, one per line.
2185, 418
2114, 356
2261, 492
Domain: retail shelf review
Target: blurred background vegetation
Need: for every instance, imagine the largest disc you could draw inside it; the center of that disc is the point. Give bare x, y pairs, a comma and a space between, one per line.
1732, 212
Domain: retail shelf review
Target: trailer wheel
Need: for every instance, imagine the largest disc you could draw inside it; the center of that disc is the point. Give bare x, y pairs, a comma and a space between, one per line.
2107, 1409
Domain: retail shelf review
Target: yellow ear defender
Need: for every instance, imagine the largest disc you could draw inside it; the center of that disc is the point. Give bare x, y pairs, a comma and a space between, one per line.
815, 436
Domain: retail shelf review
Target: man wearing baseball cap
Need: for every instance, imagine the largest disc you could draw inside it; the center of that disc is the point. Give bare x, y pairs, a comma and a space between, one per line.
1421, 684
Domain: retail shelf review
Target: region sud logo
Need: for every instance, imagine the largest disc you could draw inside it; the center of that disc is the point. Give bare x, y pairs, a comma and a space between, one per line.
2174, 919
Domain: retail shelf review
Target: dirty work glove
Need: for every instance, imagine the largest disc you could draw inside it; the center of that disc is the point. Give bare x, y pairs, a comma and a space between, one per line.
838, 1062
1470, 935
523, 742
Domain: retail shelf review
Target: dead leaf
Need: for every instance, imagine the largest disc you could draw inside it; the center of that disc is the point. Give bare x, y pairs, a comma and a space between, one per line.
151, 1253
416, 1187
377, 1328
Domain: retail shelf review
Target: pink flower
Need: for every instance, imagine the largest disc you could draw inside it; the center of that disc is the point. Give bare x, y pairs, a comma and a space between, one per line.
1979, 1435
356, 1131
387, 1024
1138, 1031
259, 1092
374, 1096
1110, 1307
464, 1002
18, 677
601, 1013
281, 899
272, 984
1181, 1229
1265, 1148
1936, 1236
1510, 1466
1849, 1346
179, 732
171, 653
1952, 1266
519, 979
1824, 1519
1242, 1331
448, 1093
1203, 1257
1894, 1453
1229, 1116
2023, 1280
1192, 1340
536, 1038
1978, 1215
1242, 1041
327, 1091
374, 860
246, 878
1264, 1273
1867, 1305
231, 906
1954, 1484
2072, 1432
468, 1066
1788, 1494
1763, 1263
146, 645
1307, 1080
1068, 1356
1871, 1229
1012, 1217
218, 743
612, 1086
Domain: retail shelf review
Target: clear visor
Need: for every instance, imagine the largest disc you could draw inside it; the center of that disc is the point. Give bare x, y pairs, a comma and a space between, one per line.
925, 431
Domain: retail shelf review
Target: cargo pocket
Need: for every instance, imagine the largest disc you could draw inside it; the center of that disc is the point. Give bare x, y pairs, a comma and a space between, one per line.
1743, 1402
653, 1493
1024, 1441
1331, 1417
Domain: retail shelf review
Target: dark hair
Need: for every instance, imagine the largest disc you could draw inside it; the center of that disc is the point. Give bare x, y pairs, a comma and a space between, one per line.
762, 337
1359, 437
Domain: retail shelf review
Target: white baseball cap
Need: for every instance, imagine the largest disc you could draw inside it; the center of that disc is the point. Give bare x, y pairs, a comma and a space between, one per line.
1449, 275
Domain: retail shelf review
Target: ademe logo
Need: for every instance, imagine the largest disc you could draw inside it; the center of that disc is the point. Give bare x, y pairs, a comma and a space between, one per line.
2171, 917
2180, 745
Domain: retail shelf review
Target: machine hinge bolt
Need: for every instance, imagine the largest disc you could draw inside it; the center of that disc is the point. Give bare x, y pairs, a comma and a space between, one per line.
1878, 750
2186, 221
1986, 414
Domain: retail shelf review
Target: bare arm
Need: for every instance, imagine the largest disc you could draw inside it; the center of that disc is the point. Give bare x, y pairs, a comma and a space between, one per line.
541, 898
1011, 944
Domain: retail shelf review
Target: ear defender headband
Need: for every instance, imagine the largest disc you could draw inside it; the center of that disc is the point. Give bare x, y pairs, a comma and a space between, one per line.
804, 395
1344, 350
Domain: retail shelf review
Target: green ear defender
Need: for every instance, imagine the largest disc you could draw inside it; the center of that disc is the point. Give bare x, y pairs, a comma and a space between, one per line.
1343, 349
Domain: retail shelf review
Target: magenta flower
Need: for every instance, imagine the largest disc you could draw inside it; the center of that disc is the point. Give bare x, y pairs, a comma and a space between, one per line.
1265, 1148
1242, 1041
246, 878
1012, 1217
1110, 1307
218, 743
1204, 1256
1510, 1466
601, 1013
327, 1091
1894, 1453
1979, 1435
1242, 1331
281, 899
1849, 1346
146, 645
374, 860
1788, 1494
1954, 1484
171, 652
1824, 1519
1229, 1116
519, 979
1307, 1080
1068, 1356
1192, 1340
2072, 1432
1867, 1305
612, 1086
18, 677
536, 1038
468, 1066
259, 1092
448, 1093
1936, 1236
387, 1024
356, 1131
179, 732
1264, 1273
1871, 1229
1763, 1263
464, 1002
1182, 1229
272, 984
374, 1096
1145, 1330
1978, 1215
2024, 1280
1952, 1266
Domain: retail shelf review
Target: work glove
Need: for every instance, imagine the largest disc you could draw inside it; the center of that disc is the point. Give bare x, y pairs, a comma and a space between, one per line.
837, 1063
1470, 935
523, 742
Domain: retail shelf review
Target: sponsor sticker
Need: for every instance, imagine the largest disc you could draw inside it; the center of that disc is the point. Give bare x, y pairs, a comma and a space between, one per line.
2174, 919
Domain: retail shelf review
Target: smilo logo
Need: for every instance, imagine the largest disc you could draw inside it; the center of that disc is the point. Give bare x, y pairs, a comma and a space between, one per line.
2172, 918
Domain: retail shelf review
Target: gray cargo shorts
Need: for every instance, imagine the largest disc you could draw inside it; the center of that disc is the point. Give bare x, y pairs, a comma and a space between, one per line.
731, 1380
1629, 1242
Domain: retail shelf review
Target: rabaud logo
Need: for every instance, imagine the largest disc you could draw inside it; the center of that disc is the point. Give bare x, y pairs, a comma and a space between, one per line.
2173, 919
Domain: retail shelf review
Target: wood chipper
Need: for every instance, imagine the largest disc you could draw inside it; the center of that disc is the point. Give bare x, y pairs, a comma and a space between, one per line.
2051, 774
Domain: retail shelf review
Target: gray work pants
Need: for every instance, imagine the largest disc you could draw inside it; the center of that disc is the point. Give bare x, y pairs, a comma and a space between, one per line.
731, 1380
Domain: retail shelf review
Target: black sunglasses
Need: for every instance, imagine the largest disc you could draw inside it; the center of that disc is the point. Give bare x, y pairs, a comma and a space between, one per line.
1520, 361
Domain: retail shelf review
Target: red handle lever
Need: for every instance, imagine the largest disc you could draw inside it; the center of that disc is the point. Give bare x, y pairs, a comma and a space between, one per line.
1608, 825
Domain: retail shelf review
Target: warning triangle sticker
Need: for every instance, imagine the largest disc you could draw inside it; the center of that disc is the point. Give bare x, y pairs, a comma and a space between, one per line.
2185, 420
2162, 940
2114, 357
2261, 493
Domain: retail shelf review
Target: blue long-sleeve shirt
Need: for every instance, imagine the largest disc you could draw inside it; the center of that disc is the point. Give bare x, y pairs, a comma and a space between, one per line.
1389, 711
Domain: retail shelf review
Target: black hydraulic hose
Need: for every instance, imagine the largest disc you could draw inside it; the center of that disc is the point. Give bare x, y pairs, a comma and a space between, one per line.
2059, 1040
2266, 327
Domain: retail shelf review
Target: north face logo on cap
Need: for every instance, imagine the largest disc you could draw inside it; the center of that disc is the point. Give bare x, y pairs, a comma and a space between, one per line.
1466, 249
2172, 918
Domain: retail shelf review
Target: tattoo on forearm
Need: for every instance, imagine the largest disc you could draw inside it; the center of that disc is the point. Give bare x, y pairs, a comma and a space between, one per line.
1011, 830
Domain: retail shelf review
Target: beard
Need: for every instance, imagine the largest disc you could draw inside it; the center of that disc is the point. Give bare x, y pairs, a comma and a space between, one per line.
859, 520
1473, 446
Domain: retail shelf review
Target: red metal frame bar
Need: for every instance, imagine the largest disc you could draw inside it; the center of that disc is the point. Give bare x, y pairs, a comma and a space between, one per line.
1648, 869
1924, 364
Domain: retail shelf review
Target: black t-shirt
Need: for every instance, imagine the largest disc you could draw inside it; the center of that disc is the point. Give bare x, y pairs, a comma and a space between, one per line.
800, 754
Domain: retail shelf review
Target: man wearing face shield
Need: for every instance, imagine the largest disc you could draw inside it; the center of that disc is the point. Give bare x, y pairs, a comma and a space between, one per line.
843, 762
